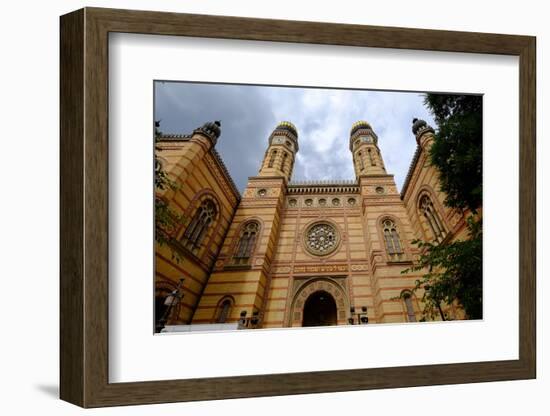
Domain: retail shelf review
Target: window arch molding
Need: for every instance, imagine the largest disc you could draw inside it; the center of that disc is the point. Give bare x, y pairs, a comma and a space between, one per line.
198, 229
431, 215
246, 241
393, 238
410, 305
224, 307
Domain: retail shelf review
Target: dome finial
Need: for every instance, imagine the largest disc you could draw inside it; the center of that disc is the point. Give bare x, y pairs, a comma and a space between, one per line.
212, 129
419, 127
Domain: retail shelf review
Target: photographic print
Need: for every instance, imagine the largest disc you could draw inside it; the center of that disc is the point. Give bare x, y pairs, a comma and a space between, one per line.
284, 207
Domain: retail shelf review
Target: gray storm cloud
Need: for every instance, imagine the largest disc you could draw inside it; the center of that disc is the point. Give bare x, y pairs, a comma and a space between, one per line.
323, 118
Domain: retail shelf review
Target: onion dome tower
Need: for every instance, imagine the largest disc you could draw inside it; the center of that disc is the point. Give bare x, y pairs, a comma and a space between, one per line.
423, 132
363, 144
281, 152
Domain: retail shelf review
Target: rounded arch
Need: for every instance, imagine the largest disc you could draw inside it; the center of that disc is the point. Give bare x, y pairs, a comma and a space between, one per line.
246, 241
433, 221
198, 199
410, 305
401, 235
224, 307
241, 228
319, 309
201, 218
319, 284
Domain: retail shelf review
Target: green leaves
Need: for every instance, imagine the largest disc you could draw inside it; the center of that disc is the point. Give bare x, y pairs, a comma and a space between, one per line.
166, 219
454, 273
454, 269
457, 149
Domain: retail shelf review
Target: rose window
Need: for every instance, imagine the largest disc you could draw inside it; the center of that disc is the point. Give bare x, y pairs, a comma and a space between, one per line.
321, 238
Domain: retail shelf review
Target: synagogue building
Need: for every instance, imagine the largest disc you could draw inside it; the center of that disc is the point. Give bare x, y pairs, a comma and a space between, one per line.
290, 254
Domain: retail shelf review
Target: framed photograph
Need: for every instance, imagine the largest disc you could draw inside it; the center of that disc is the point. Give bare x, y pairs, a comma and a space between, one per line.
255, 207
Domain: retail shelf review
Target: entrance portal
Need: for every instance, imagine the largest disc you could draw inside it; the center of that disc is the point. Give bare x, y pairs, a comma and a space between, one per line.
319, 309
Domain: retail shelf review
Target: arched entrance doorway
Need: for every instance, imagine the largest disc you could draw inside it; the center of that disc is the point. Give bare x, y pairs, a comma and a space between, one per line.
320, 309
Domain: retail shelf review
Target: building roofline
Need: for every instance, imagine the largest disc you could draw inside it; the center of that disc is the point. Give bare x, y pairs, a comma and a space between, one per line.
328, 182
412, 167
213, 151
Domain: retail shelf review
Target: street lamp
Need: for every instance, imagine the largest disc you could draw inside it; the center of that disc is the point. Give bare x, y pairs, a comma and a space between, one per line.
249, 322
362, 317
171, 300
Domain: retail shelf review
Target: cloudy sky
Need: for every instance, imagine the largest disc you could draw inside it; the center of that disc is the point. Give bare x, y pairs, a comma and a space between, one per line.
323, 118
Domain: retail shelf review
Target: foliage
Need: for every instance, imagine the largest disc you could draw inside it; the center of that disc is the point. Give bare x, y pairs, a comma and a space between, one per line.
457, 148
454, 269
454, 273
166, 219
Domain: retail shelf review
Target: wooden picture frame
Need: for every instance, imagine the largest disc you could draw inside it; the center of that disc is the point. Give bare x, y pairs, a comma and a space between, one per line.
84, 207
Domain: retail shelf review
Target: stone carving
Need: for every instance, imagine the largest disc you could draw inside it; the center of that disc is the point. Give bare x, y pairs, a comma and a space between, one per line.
359, 267
328, 268
310, 286
321, 238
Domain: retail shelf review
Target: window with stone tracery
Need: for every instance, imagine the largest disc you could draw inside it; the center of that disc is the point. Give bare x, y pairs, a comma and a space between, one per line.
245, 246
321, 238
198, 227
392, 240
432, 218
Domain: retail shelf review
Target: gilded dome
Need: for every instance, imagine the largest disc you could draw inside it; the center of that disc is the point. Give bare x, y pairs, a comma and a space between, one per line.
287, 125
358, 125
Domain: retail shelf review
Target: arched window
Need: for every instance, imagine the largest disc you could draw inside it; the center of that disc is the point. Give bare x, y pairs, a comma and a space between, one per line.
428, 211
407, 298
224, 310
372, 162
361, 163
246, 243
391, 238
283, 162
272, 159
203, 218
